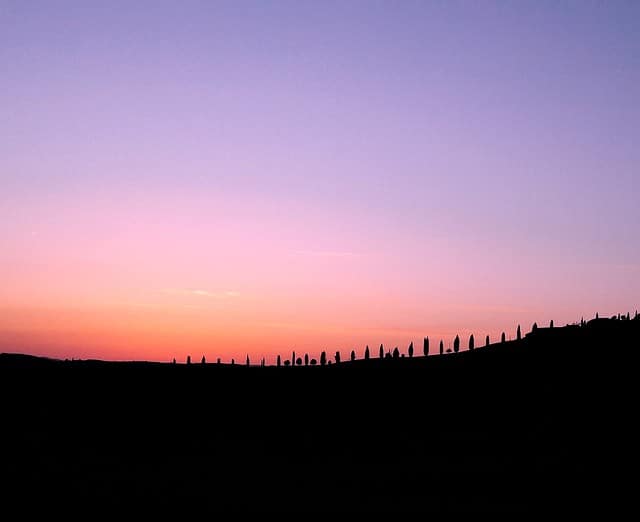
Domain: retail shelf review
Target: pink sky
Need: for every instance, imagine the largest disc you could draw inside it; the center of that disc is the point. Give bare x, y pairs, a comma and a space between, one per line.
171, 276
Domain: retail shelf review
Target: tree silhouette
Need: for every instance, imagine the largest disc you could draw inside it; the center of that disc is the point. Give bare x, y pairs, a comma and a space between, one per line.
299, 361
174, 360
471, 342
396, 353
366, 353
410, 349
313, 362
293, 359
551, 324
278, 361
518, 334
503, 338
337, 357
353, 355
233, 361
287, 362
188, 359
456, 344
486, 341
262, 362
425, 346
381, 351
628, 317
218, 360
306, 359
323, 358
534, 328
597, 315
441, 347
203, 361
247, 360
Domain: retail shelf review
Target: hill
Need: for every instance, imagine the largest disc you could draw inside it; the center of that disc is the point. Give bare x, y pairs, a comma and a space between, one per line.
542, 423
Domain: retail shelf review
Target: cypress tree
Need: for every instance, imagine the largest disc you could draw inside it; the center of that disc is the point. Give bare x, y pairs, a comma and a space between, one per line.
337, 357
551, 324
247, 360
278, 361
486, 341
306, 359
518, 334
471, 342
188, 359
425, 346
323, 358
456, 344
396, 353
353, 355
410, 349
381, 351
366, 353
203, 361
441, 347
503, 338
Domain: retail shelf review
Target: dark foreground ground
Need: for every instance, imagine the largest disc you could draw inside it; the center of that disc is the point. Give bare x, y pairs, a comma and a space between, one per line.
542, 425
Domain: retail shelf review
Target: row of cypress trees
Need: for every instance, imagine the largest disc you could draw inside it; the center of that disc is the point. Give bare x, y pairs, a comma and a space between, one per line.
395, 354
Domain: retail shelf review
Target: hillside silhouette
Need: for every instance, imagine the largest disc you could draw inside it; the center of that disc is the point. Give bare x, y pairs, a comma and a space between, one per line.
544, 423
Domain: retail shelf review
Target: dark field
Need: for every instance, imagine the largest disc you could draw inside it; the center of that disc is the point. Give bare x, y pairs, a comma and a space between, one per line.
541, 425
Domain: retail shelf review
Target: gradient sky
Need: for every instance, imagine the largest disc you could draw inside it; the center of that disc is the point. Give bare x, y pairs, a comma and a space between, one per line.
255, 177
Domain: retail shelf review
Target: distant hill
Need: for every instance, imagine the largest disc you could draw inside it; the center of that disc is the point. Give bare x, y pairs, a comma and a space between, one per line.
543, 423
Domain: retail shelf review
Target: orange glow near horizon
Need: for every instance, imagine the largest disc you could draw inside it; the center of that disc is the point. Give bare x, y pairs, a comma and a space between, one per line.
161, 332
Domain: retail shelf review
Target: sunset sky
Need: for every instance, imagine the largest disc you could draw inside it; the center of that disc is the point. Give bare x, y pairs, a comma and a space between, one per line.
224, 179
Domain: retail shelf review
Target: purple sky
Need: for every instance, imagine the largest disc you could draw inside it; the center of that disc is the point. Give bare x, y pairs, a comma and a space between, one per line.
333, 172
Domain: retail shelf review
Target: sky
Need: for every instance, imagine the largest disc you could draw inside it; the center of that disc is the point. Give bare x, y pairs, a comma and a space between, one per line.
250, 178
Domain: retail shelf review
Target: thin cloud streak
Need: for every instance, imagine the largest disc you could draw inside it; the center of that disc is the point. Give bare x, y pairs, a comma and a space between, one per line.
325, 253
203, 293
161, 306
